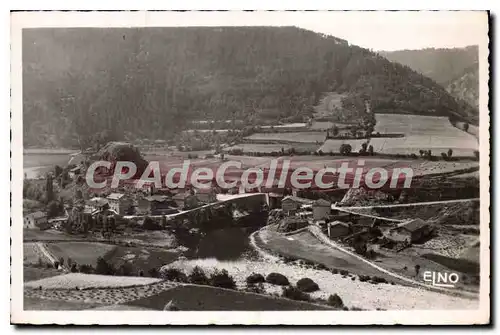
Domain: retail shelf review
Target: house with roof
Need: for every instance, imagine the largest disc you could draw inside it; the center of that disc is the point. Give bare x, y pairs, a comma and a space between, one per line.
338, 229
157, 205
96, 204
119, 203
290, 204
36, 220
321, 209
410, 231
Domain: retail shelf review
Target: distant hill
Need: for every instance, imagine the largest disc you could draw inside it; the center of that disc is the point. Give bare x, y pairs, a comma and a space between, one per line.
456, 69
85, 83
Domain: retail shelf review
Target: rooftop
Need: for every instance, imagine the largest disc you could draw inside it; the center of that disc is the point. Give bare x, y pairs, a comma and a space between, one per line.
303, 201
115, 196
322, 202
37, 215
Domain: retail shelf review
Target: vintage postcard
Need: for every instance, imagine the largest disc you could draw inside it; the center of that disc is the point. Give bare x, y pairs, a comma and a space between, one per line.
252, 168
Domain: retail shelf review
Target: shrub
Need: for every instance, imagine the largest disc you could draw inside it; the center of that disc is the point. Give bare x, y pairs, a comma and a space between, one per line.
335, 301
222, 279
294, 293
61, 261
307, 285
103, 267
141, 273
277, 279
174, 274
198, 276
364, 278
86, 268
56, 265
73, 268
344, 272
125, 270
153, 272
322, 267
379, 279
335, 271
255, 278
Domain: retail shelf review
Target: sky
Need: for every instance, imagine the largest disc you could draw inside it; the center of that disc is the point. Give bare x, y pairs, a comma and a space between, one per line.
376, 30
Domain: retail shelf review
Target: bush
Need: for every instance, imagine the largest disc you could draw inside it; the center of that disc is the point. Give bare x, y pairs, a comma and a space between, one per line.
103, 267
277, 279
56, 265
86, 268
335, 301
222, 279
379, 279
198, 276
335, 271
255, 278
364, 278
174, 274
307, 285
153, 272
344, 272
73, 268
294, 293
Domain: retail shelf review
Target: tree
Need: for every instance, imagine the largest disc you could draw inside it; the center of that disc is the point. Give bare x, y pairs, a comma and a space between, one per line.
370, 150
417, 269
345, 149
52, 209
335, 130
450, 153
421, 152
466, 127
57, 171
49, 189
444, 156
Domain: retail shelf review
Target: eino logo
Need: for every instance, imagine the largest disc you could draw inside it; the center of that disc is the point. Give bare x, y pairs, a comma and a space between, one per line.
441, 279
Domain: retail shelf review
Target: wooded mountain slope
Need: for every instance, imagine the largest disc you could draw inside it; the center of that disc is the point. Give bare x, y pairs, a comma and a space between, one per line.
79, 83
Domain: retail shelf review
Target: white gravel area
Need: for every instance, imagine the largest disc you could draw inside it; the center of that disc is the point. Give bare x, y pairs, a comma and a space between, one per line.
353, 292
81, 280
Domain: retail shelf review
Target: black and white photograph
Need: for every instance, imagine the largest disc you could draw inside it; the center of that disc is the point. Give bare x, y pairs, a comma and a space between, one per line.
330, 167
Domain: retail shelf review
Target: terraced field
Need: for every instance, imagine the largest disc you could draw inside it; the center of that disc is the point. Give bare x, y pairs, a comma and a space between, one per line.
421, 133
300, 137
269, 148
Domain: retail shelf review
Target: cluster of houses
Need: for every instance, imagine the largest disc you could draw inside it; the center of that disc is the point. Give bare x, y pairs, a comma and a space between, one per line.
342, 224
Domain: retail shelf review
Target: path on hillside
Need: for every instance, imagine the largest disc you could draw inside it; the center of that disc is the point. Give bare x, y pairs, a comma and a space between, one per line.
45, 252
409, 204
316, 231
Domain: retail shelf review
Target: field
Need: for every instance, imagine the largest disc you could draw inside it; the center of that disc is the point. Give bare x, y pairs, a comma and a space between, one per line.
139, 258
80, 252
334, 145
421, 133
203, 298
80, 280
34, 273
300, 137
324, 125
286, 126
269, 148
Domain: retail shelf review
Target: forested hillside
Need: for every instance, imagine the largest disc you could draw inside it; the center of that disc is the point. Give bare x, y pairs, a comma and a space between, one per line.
79, 84
441, 65
456, 69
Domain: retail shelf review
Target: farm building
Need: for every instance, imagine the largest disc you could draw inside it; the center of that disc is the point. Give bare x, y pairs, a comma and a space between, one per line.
321, 209
156, 205
274, 200
338, 229
119, 203
97, 204
410, 231
74, 172
36, 220
291, 203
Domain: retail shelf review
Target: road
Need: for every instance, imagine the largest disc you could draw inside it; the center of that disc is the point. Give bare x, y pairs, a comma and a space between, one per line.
316, 231
409, 205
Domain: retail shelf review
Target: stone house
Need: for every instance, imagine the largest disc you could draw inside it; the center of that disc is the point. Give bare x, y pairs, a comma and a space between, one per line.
119, 203
321, 209
338, 229
157, 205
36, 220
410, 231
290, 204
